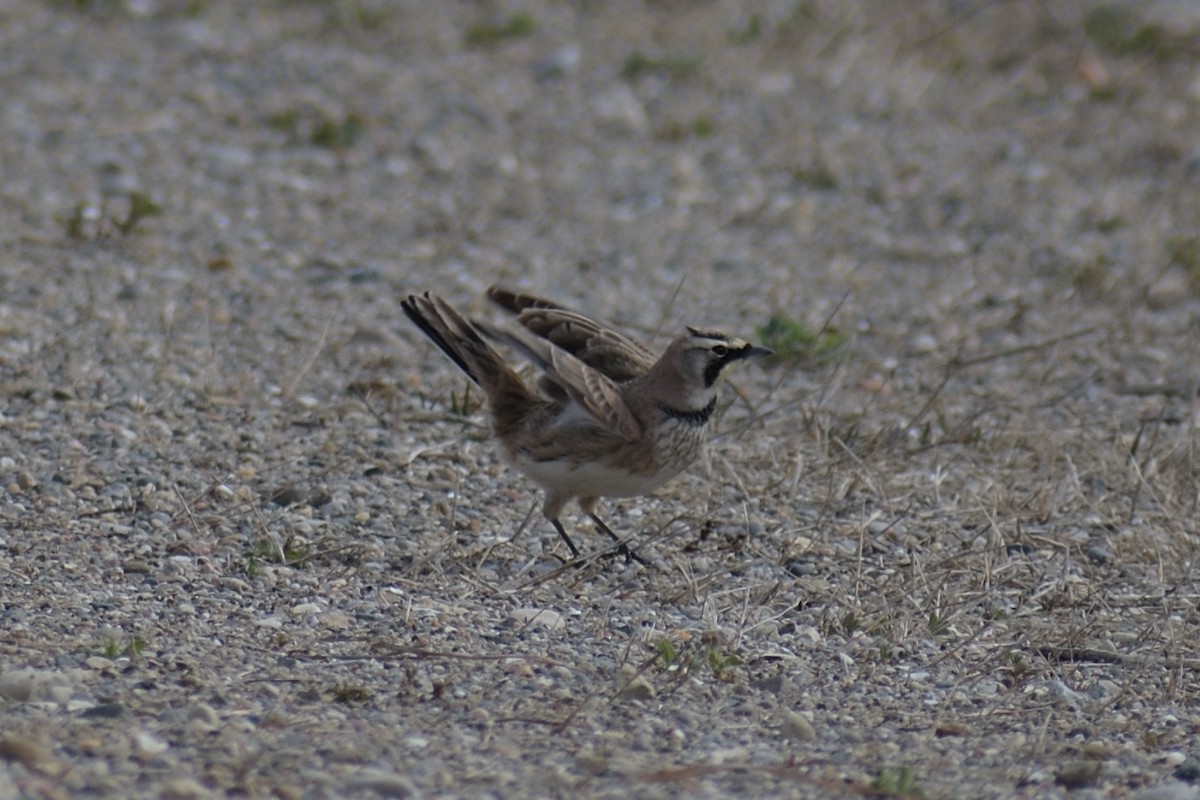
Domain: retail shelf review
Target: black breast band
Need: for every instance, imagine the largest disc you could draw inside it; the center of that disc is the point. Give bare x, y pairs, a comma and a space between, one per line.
697, 417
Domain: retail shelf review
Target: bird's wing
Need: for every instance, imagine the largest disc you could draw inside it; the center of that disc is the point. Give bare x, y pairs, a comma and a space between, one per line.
451, 333
601, 348
516, 301
587, 386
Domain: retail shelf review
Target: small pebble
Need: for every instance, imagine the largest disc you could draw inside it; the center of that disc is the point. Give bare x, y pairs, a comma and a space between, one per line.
1078, 774
772, 684
18, 685
592, 762
1188, 771
620, 109
924, 343
544, 618
233, 584
559, 63
948, 728
105, 711
148, 744
638, 689
797, 727
1097, 749
184, 789
335, 621
29, 754
1168, 791
203, 712
388, 784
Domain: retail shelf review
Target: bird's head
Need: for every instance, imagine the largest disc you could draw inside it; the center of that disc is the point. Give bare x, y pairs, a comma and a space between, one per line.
706, 354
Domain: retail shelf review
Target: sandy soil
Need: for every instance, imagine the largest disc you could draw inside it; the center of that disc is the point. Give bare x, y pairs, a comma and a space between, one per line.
254, 540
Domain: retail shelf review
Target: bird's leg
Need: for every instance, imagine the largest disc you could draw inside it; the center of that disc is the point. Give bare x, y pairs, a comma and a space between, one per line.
562, 532
622, 547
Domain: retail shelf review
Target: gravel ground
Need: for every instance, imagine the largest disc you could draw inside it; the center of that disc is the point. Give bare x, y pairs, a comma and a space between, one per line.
254, 540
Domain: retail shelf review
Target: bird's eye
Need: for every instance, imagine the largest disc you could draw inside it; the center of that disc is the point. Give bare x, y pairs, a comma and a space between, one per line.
720, 350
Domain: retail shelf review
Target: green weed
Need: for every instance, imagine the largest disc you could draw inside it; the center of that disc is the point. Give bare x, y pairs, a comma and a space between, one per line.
265, 550
673, 65
684, 657
1185, 253
753, 29
701, 127
336, 134
486, 34
348, 694
86, 222
896, 782
794, 341
463, 405
1116, 29
318, 129
140, 207
666, 651
720, 661
114, 648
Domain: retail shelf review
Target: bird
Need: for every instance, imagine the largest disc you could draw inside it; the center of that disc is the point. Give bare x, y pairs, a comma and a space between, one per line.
606, 417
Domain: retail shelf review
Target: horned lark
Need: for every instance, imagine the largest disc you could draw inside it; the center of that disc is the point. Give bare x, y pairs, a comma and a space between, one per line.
606, 418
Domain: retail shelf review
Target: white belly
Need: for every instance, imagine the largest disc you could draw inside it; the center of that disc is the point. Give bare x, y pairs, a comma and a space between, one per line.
591, 479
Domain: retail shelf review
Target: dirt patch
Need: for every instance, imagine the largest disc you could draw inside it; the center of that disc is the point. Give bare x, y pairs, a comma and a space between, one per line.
254, 539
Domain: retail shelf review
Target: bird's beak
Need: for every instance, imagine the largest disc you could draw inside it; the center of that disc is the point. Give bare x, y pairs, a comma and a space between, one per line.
757, 352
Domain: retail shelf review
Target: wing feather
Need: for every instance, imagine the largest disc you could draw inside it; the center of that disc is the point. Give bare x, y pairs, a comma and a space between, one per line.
614, 355
590, 388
